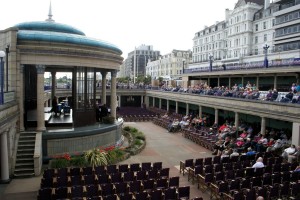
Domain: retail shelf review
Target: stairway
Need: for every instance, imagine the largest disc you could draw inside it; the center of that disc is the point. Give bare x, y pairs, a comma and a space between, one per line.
24, 159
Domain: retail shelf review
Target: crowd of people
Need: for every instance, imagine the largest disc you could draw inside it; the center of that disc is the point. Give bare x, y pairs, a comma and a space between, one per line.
244, 139
249, 91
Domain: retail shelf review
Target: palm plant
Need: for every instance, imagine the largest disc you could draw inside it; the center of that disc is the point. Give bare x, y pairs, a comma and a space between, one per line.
96, 157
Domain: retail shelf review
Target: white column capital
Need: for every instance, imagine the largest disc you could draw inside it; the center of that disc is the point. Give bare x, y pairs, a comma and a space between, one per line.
40, 69
114, 73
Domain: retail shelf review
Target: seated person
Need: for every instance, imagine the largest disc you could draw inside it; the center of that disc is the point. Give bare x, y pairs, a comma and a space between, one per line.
277, 145
288, 97
174, 126
288, 151
295, 156
220, 146
250, 152
259, 163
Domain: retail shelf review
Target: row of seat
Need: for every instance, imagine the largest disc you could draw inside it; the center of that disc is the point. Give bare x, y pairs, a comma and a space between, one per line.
232, 191
103, 179
201, 138
100, 170
134, 190
137, 118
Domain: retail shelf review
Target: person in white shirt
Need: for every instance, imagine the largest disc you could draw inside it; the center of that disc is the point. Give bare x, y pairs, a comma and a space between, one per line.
288, 151
259, 163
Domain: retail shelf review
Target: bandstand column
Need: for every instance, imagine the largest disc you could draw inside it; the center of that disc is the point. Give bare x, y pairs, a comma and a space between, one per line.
176, 108
53, 88
168, 105
147, 101
4, 158
200, 111
113, 94
242, 81
216, 116
263, 125
218, 81
153, 102
236, 120
142, 101
296, 134
159, 103
119, 102
21, 99
187, 109
275, 82
40, 69
297, 78
208, 81
229, 83
103, 95
257, 82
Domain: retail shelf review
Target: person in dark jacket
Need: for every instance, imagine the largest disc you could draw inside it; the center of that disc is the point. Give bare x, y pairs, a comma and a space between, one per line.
54, 106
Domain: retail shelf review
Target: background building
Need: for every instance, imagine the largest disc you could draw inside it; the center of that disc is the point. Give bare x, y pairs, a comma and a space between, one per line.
169, 66
244, 33
135, 64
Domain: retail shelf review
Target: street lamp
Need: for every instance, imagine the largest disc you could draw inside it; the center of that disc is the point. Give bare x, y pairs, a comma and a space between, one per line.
2, 55
7, 52
183, 61
266, 63
210, 62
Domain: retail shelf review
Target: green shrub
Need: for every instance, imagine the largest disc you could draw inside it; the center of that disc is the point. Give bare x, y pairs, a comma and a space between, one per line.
60, 163
138, 142
126, 128
78, 161
95, 157
133, 130
108, 120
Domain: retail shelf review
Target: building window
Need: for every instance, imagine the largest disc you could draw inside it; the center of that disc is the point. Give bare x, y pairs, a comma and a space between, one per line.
265, 25
256, 27
265, 37
256, 40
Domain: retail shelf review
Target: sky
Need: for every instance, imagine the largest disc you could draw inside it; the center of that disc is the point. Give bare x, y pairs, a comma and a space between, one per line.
164, 24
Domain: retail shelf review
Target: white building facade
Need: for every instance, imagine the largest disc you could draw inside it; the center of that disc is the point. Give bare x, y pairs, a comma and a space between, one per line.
169, 66
240, 38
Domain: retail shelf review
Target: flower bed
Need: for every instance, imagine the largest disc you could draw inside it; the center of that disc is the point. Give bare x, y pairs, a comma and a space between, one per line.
103, 155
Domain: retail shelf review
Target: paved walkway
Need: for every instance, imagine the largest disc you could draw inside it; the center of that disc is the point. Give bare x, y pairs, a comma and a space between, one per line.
161, 146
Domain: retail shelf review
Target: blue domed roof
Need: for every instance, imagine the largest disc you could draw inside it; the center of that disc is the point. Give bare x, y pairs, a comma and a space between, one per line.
60, 33
48, 26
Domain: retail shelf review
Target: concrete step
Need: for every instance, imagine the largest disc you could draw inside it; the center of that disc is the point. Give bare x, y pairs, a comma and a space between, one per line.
25, 152
28, 166
24, 173
25, 146
27, 134
26, 137
24, 161
24, 142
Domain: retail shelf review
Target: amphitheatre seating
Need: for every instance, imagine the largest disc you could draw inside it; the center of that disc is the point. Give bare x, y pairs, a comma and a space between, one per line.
135, 114
111, 182
236, 179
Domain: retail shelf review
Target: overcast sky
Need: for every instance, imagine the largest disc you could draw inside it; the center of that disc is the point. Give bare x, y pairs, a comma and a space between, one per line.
165, 24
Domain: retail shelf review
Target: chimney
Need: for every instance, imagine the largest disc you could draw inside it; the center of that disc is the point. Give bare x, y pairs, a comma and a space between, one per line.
267, 4
227, 14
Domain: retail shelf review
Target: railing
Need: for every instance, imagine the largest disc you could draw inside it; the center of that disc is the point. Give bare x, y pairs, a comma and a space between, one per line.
250, 65
9, 96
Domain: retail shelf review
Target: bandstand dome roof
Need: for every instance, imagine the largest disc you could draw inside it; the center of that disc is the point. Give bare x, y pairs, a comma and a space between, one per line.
50, 31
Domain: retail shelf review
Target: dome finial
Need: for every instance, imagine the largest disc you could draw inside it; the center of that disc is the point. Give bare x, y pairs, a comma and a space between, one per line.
50, 14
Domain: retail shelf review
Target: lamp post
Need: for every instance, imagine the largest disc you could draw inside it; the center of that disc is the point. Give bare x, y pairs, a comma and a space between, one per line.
7, 52
2, 55
266, 63
210, 61
183, 61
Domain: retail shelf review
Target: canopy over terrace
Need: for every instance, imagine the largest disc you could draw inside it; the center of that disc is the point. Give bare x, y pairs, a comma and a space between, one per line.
36, 47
